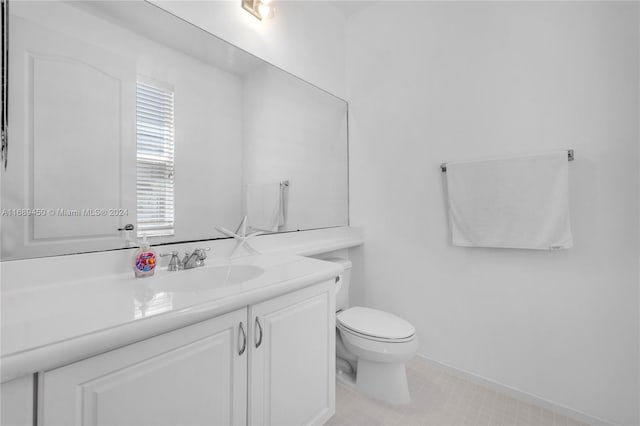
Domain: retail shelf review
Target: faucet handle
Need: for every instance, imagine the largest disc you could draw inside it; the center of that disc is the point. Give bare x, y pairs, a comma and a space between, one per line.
201, 252
174, 262
201, 255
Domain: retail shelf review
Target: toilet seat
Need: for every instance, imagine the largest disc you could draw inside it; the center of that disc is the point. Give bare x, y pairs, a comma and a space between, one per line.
374, 338
375, 325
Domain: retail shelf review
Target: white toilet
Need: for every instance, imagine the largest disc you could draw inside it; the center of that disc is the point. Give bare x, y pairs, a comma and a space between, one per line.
372, 346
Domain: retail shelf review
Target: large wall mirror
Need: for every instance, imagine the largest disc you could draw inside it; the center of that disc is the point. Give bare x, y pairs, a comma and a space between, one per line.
121, 113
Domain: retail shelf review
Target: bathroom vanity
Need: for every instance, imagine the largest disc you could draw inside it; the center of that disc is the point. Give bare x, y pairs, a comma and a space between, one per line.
249, 341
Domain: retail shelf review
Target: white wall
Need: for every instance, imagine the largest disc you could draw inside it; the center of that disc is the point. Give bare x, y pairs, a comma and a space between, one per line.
305, 38
436, 81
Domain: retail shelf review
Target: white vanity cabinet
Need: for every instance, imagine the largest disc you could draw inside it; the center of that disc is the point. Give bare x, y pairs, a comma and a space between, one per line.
273, 360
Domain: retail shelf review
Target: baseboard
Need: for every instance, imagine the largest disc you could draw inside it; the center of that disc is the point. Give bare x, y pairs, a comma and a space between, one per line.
520, 395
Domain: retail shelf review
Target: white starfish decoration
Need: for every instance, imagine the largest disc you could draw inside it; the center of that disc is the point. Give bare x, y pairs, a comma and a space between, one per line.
241, 237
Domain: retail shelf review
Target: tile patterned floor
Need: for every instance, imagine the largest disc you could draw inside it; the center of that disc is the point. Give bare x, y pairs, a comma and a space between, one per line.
439, 398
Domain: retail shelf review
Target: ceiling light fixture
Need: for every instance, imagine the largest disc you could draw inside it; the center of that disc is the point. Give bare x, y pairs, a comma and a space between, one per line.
261, 9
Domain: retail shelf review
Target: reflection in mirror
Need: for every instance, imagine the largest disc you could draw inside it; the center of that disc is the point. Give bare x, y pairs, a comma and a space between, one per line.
123, 114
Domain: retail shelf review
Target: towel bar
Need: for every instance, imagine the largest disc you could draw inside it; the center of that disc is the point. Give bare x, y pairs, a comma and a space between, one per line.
443, 166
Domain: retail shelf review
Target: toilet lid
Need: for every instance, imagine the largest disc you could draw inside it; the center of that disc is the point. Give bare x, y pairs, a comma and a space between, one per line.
375, 323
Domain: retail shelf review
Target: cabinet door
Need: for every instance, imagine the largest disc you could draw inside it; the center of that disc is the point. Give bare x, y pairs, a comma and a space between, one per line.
16, 406
292, 358
192, 376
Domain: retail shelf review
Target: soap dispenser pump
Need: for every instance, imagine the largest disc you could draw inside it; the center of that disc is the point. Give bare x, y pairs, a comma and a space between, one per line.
144, 259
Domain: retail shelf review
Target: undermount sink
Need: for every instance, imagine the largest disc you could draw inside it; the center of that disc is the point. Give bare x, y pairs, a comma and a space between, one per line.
207, 278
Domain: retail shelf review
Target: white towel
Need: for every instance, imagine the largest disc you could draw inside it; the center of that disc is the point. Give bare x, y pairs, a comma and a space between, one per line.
265, 206
518, 202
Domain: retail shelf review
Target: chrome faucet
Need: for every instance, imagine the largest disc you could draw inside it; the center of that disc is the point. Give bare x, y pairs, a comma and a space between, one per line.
195, 259
190, 260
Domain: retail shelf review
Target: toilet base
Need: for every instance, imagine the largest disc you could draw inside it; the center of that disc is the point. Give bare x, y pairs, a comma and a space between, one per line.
347, 379
384, 381
344, 366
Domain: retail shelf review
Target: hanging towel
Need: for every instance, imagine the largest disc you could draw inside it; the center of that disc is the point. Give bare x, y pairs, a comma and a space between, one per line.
518, 202
265, 206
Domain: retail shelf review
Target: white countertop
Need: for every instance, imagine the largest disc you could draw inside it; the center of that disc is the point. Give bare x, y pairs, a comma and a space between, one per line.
47, 326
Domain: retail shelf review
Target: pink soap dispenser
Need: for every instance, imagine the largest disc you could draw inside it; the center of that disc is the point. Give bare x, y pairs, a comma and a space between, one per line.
144, 260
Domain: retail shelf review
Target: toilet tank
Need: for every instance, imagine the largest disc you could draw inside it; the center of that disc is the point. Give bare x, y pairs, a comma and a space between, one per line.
342, 285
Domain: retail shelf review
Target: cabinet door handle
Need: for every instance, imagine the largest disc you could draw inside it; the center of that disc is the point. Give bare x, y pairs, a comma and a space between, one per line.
244, 339
259, 342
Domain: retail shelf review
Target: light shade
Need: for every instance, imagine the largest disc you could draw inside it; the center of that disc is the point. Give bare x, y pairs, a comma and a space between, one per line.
261, 9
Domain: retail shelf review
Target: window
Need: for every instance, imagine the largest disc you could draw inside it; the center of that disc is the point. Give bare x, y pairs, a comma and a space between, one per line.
155, 160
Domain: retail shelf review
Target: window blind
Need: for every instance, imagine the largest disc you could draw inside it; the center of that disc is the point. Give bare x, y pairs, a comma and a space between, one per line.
155, 160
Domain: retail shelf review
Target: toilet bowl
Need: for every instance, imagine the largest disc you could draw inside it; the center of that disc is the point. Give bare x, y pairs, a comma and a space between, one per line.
372, 347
